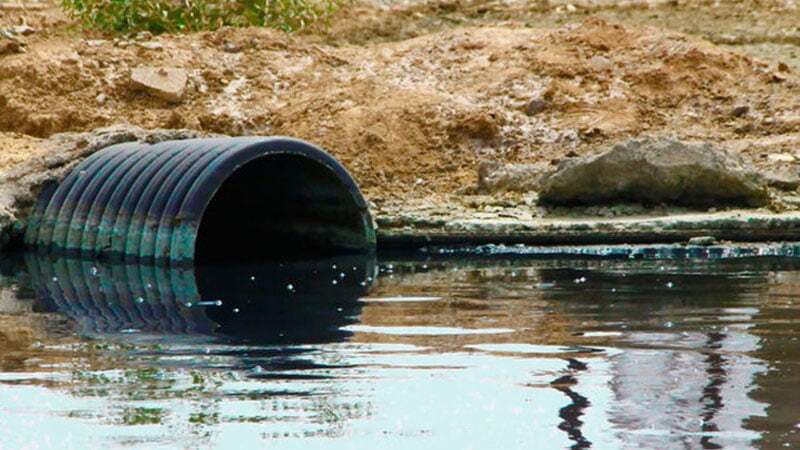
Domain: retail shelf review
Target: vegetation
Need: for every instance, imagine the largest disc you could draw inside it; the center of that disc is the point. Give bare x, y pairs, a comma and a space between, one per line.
172, 16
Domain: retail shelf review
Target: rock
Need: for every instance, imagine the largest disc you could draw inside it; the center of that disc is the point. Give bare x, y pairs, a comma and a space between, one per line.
166, 83
495, 176
703, 241
780, 157
21, 183
96, 42
783, 179
149, 45
655, 171
536, 106
231, 47
23, 30
143, 36
9, 47
740, 111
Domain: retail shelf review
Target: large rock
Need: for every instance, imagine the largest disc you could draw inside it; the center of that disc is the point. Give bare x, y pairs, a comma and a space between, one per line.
50, 160
165, 83
656, 171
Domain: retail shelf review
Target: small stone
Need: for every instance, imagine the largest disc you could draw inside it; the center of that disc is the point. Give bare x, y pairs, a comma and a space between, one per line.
150, 45
166, 83
781, 157
231, 47
600, 63
101, 98
740, 111
783, 179
11, 47
96, 42
23, 30
703, 241
536, 106
144, 36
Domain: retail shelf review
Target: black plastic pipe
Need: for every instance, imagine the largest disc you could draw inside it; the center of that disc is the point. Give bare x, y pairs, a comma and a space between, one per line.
204, 199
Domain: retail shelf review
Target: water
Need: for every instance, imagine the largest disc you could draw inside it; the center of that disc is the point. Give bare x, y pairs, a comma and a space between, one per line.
437, 350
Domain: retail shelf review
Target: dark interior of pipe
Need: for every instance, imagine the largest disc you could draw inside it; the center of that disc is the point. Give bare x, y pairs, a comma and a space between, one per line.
280, 207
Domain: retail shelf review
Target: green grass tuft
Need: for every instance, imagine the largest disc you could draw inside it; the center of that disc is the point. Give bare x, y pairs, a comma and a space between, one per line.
172, 16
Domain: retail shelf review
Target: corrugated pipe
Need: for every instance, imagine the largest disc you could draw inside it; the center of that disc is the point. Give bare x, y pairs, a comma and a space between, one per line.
204, 200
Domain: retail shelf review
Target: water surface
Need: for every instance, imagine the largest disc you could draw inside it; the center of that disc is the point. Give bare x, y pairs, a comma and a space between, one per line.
436, 350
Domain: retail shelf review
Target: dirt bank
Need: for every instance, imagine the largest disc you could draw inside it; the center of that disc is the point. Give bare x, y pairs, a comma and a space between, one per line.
412, 97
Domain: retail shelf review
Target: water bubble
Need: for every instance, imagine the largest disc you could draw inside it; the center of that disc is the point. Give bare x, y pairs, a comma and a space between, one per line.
369, 279
354, 268
363, 283
257, 369
339, 309
55, 279
140, 300
253, 278
668, 324
188, 304
290, 287
613, 289
335, 282
513, 274
670, 285
341, 275
236, 310
333, 266
424, 266
94, 271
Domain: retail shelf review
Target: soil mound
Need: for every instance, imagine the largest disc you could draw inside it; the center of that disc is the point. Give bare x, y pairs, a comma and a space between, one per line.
415, 116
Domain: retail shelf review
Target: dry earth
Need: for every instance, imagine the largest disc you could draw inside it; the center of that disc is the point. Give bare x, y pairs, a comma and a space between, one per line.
411, 97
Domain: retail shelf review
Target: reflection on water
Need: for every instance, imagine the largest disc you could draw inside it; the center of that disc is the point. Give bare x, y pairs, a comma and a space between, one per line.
442, 353
292, 302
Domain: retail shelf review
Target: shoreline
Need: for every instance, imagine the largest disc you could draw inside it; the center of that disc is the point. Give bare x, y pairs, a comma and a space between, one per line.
731, 226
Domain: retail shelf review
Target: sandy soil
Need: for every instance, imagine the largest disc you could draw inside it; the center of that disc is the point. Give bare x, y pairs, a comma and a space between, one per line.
412, 96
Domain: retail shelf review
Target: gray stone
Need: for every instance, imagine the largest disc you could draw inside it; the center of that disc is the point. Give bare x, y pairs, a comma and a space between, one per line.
21, 183
23, 30
655, 171
536, 106
783, 179
150, 45
494, 176
166, 83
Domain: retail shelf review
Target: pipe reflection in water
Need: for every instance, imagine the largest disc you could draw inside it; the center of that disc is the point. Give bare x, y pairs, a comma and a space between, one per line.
297, 302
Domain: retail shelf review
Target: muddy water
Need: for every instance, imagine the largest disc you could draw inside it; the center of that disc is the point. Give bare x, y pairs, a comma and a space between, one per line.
453, 351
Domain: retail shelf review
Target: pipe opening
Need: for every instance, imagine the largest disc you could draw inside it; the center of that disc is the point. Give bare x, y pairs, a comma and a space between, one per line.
282, 206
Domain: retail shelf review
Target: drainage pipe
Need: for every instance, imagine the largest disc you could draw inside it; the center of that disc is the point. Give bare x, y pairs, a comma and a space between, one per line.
204, 200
